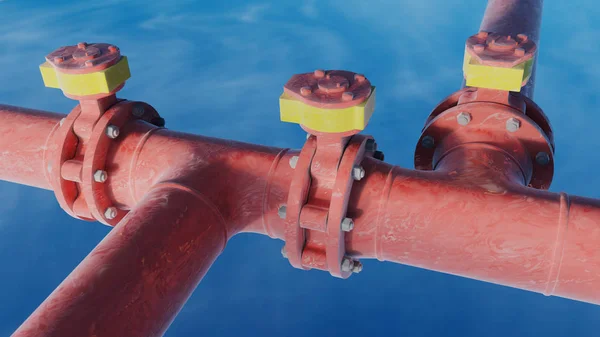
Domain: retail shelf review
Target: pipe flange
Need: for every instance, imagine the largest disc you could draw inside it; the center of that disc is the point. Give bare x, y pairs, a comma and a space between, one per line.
492, 123
82, 195
95, 192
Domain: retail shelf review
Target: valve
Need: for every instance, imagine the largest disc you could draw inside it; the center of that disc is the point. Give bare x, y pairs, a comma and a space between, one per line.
334, 101
89, 71
496, 61
333, 107
77, 157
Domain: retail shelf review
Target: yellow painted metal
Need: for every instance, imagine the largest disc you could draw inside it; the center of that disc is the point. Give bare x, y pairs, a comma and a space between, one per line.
483, 76
327, 120
101, 82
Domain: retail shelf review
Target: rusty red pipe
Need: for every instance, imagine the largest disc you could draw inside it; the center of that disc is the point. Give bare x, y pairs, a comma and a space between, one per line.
25, 135
457, 219
138, 278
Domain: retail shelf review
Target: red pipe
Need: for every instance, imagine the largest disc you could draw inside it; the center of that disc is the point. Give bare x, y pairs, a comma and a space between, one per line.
23, 143
462, 219
138, 278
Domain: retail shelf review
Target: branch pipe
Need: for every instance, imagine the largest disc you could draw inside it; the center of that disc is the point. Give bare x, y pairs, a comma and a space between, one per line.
140, 275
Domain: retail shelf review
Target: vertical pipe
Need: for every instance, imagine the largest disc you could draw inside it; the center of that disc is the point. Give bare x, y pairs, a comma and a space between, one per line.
512, 17
138, 278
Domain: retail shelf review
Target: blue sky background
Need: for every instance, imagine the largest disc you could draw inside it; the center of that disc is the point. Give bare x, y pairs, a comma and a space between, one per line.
217, 69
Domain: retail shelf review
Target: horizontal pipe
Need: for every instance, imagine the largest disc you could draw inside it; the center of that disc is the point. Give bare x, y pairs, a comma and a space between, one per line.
484, 227
138, 278
489, 229
24, 135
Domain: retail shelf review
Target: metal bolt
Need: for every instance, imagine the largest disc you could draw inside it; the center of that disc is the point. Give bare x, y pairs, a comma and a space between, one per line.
358, 267
293, 162
359, 78
282, 211
542, 158
100, 176
59, 59
347, 96
110, 213
513, 124
347, 264
138, 110
463, 118
319, 73
478, 48
89, 63
82, 45
283, 253
520, 52
370, 145
358, 172
522, 37
112, 131
427, 142
62, 121
347, 224
305, 91
112, 49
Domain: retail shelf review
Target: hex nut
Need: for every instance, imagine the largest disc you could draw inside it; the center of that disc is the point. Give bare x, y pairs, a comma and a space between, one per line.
358, 172
110, 213
294, 161
347, 224
513, 124
347, 264
100, 176
112, 131
282, 211
463, 118
542, 158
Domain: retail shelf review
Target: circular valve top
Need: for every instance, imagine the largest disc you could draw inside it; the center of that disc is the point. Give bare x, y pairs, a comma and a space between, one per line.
332, 89
84, 58
500, 50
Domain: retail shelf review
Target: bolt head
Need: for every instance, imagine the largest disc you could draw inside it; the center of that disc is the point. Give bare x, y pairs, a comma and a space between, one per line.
358, 172
463, 118
542, 158
347, 224
427, 142
110, 213
479, 48
347, 96
138, 111
370, 145
305, 91
112, 131
347, 264
293, 161
513, 124
100, 176
282, 211
358, 267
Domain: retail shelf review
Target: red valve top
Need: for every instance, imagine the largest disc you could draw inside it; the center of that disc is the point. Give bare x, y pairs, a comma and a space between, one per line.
500, 50
84, 58
333, 89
